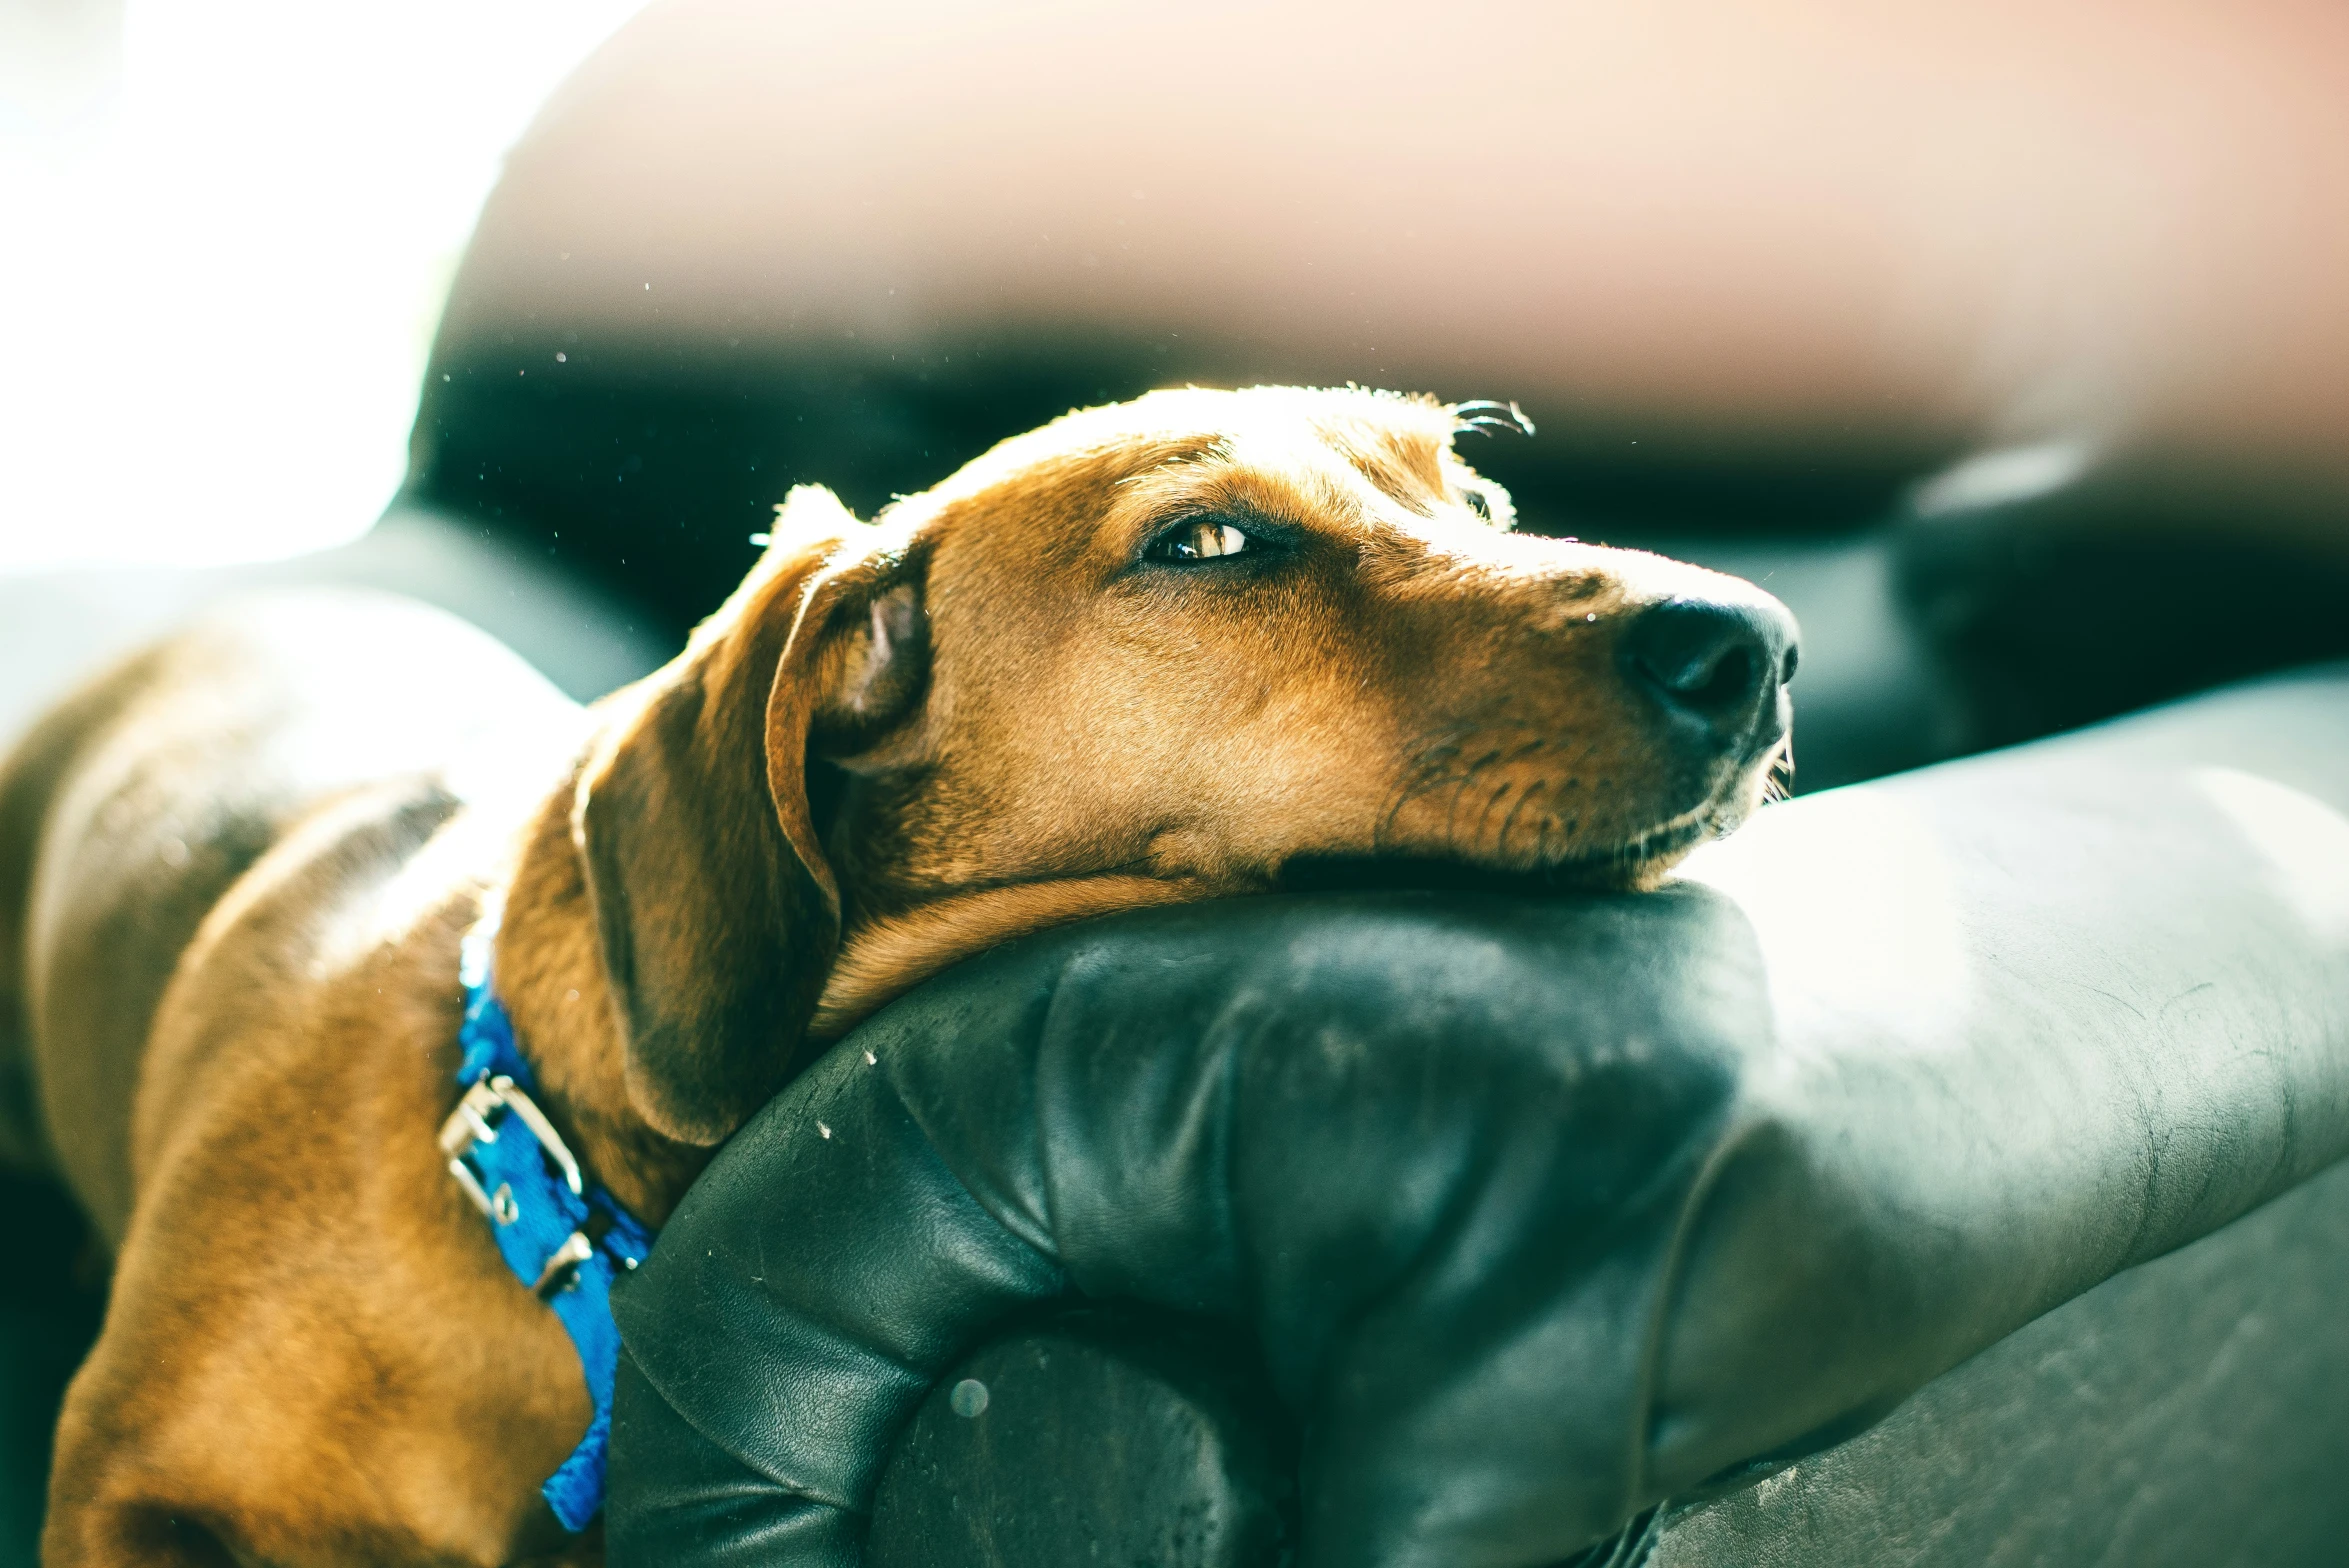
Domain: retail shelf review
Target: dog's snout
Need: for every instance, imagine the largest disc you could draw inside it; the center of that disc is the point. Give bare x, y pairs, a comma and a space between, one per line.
1711, 660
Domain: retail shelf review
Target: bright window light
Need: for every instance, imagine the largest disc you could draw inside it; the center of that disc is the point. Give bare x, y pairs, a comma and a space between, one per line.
229, 229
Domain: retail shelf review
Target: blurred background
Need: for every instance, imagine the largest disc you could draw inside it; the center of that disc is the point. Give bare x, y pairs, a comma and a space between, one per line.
229, 226
2009, 343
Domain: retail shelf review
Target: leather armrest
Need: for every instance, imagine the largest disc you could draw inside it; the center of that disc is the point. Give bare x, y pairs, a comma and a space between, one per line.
1537, 1211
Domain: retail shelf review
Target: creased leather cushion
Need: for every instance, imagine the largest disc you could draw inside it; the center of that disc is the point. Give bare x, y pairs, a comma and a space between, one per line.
1542, 1210
2192, 1413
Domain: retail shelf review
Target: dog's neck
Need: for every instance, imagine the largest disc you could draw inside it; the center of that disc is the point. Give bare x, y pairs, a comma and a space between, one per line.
549, 973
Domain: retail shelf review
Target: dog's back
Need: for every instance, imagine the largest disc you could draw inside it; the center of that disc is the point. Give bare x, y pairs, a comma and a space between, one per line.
131, 809
31, 777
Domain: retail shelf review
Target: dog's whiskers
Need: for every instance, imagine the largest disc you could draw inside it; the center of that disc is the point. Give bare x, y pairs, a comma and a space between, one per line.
1438, 765
1779, 784
1467, 777
1509, 822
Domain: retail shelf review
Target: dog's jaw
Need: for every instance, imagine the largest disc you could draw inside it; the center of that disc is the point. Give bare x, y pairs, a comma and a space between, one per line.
884, 958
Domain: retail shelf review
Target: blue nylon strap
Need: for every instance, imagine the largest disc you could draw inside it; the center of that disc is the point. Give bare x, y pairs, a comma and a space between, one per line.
534, 1213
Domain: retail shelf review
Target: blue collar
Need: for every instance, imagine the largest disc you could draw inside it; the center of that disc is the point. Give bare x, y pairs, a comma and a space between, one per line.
562, 1235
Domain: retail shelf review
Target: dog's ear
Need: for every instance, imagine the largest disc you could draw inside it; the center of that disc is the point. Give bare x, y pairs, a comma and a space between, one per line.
718, 912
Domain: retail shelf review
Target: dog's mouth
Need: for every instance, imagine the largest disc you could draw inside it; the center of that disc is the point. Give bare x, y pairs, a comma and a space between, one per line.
1636, 863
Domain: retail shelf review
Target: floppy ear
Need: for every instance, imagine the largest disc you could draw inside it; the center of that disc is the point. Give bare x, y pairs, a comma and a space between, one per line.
718, 913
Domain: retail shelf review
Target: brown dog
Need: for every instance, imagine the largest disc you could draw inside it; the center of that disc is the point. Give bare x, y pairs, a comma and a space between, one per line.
1152, 652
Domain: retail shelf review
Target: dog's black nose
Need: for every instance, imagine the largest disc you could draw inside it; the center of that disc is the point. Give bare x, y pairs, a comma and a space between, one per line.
1710, 660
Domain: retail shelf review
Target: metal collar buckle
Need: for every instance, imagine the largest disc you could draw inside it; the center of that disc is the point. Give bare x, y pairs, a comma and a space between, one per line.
478, 1119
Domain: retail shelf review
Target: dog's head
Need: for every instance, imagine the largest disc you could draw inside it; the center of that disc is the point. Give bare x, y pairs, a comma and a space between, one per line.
1163, 650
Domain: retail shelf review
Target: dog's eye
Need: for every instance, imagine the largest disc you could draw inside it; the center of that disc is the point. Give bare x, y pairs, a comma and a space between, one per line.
1198, 539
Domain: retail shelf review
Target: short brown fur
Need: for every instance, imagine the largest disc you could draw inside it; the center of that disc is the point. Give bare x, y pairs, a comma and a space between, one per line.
234, 874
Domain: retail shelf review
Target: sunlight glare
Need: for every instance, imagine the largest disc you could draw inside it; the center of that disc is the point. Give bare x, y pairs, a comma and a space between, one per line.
224, 272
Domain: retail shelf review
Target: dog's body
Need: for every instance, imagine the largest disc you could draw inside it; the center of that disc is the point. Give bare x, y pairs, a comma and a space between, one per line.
299, 1314
1156, 652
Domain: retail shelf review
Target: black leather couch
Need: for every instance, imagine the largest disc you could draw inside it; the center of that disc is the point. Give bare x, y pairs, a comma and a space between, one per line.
1438, 1229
